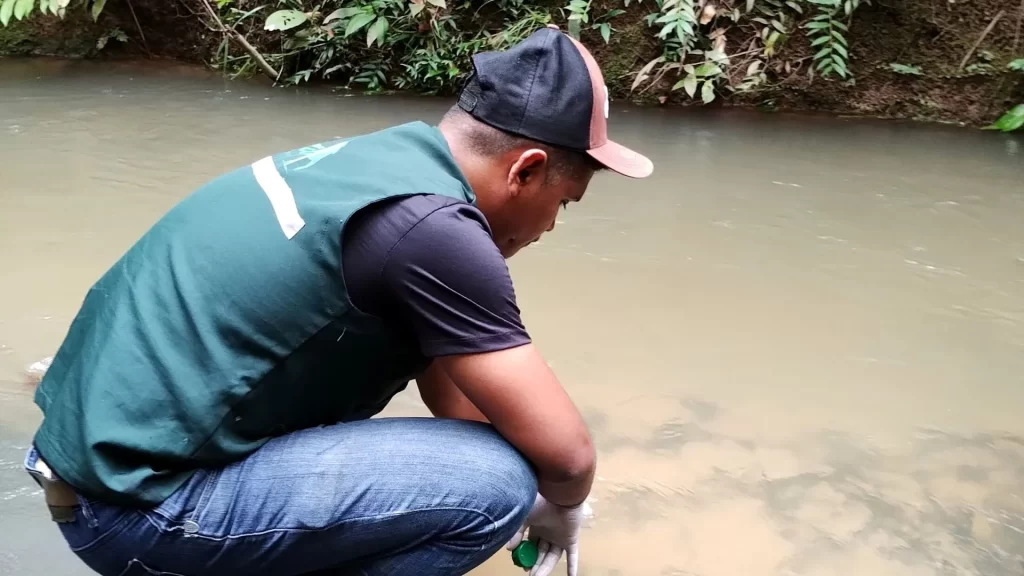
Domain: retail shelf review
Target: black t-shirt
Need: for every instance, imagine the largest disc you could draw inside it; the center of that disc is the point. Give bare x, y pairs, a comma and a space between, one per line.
428, 264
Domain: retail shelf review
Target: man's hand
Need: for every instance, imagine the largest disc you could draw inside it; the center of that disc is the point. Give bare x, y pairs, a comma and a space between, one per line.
517, 392
555, 529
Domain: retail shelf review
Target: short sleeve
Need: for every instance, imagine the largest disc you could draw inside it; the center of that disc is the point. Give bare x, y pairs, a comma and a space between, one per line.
441, 275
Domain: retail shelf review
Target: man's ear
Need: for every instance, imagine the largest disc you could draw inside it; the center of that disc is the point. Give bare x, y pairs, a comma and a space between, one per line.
528, 171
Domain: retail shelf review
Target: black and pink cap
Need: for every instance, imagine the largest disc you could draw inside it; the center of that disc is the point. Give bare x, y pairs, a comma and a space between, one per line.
550, 89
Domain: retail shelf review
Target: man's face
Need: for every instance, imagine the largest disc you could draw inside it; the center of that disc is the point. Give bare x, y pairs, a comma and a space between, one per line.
534, 198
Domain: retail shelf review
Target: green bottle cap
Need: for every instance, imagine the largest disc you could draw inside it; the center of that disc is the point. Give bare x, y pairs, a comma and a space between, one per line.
525, 555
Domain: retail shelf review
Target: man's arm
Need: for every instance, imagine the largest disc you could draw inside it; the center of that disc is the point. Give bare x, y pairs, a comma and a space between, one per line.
429, 265
443, 397
520, 395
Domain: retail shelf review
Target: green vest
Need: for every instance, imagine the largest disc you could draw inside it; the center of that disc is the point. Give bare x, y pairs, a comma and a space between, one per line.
228, 322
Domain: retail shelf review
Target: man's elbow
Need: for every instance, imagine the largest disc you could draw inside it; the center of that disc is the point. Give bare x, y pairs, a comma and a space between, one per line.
578, 464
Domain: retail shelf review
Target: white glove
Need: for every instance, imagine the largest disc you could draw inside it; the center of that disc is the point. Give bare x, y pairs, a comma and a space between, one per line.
555, 529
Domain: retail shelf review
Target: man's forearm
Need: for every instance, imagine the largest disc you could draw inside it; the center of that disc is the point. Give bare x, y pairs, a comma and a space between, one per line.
444, 399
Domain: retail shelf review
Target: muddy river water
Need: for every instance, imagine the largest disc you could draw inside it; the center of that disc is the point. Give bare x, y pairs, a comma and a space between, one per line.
799, 345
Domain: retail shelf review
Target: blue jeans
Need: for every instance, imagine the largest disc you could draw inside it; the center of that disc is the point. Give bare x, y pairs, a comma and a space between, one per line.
390, 496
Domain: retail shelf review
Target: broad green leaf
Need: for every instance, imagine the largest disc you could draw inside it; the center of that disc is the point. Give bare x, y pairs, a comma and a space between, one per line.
708, 70
575, 16
750, 5
841, 49
759, 20
778, 26
606, 32
285, 20
823, 52
97, 9
6, 10
415, 8
795, 6
822, 64
1017, 65
819, 41
342, 13
614, 13
666, 18
816, 25
23, 8
438, 3
707, 92
62, 6
839, 37
840, 25
1012, 120
690, 85
377, 31
839, 65
769, 45
754, 67
357, 22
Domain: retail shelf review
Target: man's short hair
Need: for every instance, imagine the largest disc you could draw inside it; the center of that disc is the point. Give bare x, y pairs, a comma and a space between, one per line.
488, 141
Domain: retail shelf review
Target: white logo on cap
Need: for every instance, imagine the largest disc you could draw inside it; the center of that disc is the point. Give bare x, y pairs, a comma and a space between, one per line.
606, 102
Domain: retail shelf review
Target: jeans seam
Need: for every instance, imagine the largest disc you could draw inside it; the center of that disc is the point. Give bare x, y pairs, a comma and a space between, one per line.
491, 527
140, 563
206, 496
106, 534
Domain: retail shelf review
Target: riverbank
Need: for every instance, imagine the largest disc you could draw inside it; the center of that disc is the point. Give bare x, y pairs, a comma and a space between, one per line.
917, 59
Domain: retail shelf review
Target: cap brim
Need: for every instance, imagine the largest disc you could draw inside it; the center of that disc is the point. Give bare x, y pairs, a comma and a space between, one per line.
617, 157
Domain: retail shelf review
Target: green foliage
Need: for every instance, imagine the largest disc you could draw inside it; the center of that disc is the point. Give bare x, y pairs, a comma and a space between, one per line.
579, 15
376, 45
21, 9
115, 34
1016, 65
285, 20
677, 22
695, 40
1012, 120
905, 69
827, 33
